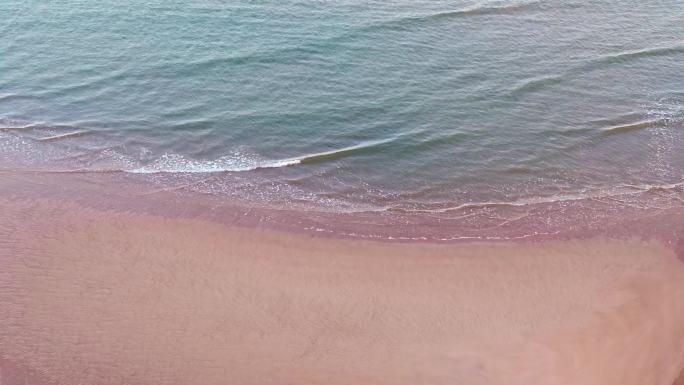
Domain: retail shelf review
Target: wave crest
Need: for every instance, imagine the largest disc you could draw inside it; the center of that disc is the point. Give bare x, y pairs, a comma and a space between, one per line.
484, 9
172, 163
537, 83
629, 127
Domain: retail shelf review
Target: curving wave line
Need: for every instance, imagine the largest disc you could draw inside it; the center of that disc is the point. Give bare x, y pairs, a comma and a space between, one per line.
89, 83
534, 84
309, 50
342, 152
280, 55
177, 163
477, 10
9, 126
618, 119
484, 9
180, 164
9, 96
73, 134
623, 190
637, 54
622, 128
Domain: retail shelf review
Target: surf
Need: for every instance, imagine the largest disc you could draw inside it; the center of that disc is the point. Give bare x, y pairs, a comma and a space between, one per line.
238, 163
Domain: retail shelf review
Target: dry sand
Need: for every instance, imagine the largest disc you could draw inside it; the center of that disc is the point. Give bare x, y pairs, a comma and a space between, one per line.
91, 297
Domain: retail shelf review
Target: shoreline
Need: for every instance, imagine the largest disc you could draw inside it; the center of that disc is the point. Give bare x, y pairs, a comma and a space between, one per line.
652, 215
110, 297
342, 193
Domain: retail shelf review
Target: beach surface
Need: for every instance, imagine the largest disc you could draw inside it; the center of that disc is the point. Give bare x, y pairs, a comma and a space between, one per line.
474, 192
92, 296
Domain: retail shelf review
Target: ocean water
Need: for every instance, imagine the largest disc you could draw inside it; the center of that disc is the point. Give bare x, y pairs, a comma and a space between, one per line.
434, 108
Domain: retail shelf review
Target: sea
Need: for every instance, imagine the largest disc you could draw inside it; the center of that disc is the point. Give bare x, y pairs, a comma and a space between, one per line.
393, 119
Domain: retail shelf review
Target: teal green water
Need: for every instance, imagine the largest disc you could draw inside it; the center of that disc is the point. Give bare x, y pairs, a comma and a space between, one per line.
350, 105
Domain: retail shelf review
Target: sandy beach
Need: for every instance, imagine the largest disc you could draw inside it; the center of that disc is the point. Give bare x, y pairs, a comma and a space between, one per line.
477, 192
90, 296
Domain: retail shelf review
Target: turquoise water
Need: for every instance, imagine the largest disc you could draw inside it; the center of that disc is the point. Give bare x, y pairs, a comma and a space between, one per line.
350, 105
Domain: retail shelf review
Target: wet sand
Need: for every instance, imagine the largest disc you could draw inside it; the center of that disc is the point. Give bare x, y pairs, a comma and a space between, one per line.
107, 297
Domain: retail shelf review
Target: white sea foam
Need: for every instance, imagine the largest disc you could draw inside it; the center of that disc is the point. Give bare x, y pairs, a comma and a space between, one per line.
607, 192
174, 163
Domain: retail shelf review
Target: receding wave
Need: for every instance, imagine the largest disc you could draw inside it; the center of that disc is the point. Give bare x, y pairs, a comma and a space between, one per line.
598, 194
238, 162
73, 134
14, 126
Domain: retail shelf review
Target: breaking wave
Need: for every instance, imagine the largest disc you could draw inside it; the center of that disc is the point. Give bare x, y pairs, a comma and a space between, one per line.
171, 163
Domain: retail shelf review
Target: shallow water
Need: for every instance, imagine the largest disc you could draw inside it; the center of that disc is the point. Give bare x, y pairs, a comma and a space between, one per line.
436, 108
